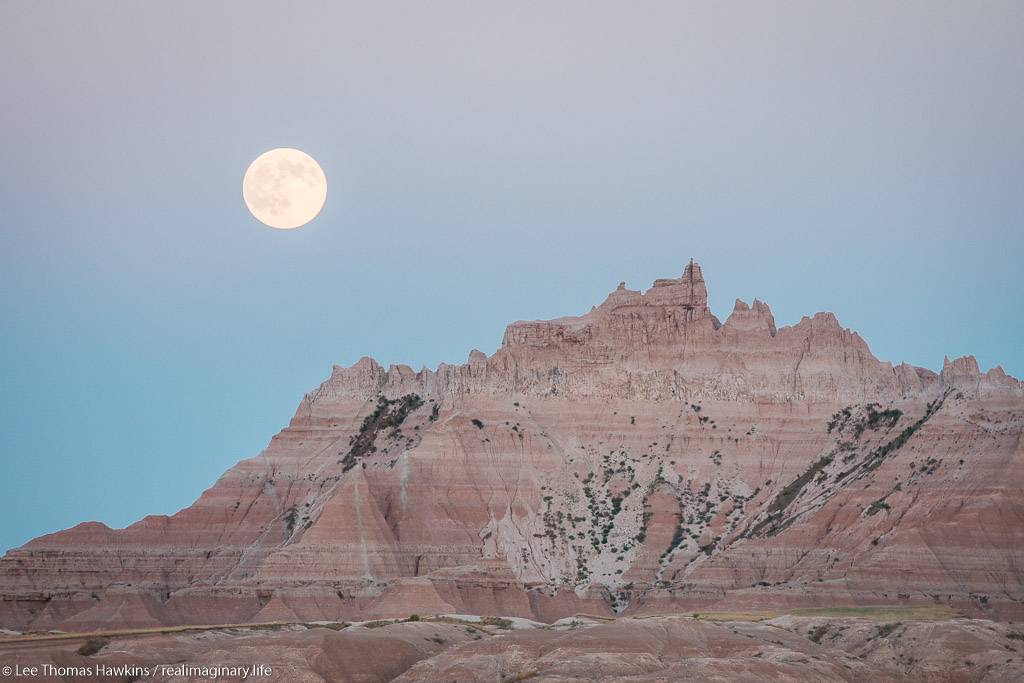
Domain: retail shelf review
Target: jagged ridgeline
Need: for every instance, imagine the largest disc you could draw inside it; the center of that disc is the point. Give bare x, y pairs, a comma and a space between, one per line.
643, 458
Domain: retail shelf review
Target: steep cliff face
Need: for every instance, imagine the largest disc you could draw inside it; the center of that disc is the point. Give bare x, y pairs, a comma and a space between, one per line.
642, 457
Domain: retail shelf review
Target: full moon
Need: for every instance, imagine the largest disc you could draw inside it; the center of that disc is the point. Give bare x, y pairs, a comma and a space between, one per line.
284, 188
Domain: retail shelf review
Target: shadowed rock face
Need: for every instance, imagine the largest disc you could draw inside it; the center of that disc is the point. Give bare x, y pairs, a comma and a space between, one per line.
642, 457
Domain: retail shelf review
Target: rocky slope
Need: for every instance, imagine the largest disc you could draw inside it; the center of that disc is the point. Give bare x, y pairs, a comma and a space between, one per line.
642, 458
650, 649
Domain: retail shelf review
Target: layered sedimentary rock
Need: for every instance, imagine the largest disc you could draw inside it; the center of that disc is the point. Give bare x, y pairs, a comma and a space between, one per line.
644, 457
785, 649
653, 649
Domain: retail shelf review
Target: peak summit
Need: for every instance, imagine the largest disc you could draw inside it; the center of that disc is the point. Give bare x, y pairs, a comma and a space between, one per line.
665, 342
688, 291
692, 271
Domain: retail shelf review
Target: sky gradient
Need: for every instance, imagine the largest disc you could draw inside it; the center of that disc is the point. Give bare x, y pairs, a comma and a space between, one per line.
486, 162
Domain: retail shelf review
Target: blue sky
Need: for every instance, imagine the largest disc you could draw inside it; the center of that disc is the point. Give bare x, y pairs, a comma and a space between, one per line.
487, 162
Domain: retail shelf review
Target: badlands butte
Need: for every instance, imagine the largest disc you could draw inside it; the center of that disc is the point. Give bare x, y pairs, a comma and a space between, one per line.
644, 458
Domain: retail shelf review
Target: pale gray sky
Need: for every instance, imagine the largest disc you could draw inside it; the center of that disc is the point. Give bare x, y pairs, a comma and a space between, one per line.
487, 162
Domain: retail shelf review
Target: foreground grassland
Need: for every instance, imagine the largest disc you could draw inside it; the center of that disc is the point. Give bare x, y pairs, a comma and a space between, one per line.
23, 637
877, 613
886, 613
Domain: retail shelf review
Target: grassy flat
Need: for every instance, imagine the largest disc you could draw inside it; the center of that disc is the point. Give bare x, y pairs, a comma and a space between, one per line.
34, 636
886, 613
876, 612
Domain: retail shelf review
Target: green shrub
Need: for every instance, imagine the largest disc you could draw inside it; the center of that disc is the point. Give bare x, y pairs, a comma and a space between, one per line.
878, 505
92, 646
886, 629
817, 634
500, 622
334, 625
378, 623
289, 519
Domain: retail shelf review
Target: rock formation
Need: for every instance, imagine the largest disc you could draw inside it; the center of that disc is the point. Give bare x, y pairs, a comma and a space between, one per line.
642, 458
652, 649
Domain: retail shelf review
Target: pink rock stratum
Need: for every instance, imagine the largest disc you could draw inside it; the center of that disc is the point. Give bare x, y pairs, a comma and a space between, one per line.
643, 458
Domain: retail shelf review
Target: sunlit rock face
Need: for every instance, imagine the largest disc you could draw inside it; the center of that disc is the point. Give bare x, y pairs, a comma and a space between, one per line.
642, 458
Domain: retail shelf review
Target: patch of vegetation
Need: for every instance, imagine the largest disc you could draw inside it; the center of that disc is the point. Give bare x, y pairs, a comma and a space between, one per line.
839, 419
642, 534
289, 519
434, 412
499, 622
605, 530
270, 626
878, 505
790, 492
874, 419
521, 676
886, 629
886, 613
92, 646
378, 623
677, 538
616, 505
388, 413
784, 498
470, 625
877, 419
816, 634
334, 625
477, 423
875, 458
